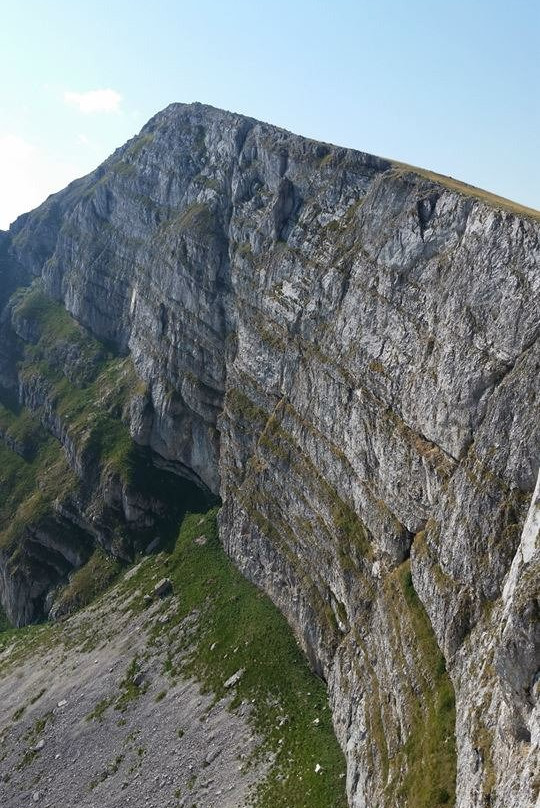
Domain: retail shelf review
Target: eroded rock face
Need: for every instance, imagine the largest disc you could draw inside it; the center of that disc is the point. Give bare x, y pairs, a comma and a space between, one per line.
347, 352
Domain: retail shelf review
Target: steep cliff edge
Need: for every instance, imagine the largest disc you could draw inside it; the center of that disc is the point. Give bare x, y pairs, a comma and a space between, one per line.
346, 351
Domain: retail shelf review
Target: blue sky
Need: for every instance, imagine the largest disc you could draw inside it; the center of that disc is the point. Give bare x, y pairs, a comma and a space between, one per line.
450, 86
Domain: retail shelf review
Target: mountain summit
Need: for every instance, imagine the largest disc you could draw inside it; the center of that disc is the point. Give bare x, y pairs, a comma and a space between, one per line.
343, 350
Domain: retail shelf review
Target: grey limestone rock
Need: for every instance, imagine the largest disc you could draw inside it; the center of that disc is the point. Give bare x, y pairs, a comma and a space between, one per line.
163, 588
346, 351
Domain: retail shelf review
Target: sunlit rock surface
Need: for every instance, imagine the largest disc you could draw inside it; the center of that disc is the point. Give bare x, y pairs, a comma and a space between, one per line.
346, 351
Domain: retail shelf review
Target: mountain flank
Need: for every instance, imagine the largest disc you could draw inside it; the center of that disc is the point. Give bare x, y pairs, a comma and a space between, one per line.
339, 351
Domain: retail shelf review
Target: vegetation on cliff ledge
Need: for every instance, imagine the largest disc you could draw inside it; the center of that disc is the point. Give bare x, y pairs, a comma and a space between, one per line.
429, 751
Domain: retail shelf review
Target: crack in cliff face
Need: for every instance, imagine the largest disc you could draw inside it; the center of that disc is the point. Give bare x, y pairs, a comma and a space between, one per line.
317, 335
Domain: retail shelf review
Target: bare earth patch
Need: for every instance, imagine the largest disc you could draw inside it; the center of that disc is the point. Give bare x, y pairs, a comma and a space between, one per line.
104, 724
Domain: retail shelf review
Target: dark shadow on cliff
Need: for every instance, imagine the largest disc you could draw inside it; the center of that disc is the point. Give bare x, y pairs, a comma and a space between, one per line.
177, 495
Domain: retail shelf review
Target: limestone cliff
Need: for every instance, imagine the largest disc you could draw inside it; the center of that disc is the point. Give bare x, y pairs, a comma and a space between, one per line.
346, 351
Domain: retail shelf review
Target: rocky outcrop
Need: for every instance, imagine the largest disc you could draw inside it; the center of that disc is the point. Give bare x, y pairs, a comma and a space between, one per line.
71, 475
346, 350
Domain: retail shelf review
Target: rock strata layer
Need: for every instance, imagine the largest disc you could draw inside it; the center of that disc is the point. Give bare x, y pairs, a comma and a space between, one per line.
346, 351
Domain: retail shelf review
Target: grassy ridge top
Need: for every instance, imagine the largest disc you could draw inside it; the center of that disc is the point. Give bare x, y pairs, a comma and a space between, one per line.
452, 184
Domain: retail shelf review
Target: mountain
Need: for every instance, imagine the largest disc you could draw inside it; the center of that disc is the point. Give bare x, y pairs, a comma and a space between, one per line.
344, 351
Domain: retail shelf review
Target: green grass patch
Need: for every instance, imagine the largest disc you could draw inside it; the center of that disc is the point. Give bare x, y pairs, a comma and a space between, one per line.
31, 736
49, 317
131, 687
140, 143
91, 580
351, 529
90, 402
52, 327
238, 628
28, 489
242, 407
18, 427
197, 218
99, 710
93, 413
429, 753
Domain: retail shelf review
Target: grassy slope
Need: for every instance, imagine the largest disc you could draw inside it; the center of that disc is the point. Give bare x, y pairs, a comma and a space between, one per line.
239, 629
28, 487
429, 752
500, 202
91, 400
236, 628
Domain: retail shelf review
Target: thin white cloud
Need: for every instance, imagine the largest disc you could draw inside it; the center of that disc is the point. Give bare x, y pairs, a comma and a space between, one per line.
82, 140
94, 101
28, 176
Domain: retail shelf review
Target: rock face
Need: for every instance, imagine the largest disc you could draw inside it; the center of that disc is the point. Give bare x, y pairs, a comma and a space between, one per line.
346, 351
